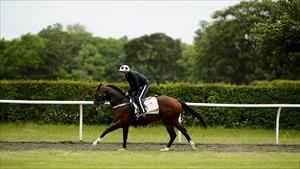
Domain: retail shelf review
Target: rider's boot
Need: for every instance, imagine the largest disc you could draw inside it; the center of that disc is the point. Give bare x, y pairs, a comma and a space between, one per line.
140, 115
141, 111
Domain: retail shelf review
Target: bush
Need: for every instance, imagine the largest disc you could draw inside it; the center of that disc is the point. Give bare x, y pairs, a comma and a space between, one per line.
276, 83
206, 93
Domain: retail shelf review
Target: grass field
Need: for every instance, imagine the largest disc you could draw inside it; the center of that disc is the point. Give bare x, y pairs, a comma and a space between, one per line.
45, 158
34, 132
170, 160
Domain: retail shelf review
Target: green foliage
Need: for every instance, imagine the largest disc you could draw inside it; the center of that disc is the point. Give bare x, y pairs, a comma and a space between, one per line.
252, 40
81, 56
186, 63
225, 51
58, 54
277, 83
44, 90
22, 58
156, 55
277, 42
203, 93
59, 49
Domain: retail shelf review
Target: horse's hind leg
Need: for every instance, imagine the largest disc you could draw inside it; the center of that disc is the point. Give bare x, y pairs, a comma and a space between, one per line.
185, 133
172, 133
114, 126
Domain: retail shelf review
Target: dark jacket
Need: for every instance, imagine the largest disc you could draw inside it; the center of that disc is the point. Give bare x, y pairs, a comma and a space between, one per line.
136, 80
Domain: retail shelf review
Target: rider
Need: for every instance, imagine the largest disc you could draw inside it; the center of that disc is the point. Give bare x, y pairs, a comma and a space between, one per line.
139, 85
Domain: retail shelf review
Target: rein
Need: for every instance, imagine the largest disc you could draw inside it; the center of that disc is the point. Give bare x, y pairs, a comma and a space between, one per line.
120, 105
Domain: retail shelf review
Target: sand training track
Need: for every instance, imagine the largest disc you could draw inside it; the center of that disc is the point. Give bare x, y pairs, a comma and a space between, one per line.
86, 146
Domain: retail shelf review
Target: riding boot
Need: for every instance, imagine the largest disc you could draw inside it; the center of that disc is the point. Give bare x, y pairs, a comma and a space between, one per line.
140, 114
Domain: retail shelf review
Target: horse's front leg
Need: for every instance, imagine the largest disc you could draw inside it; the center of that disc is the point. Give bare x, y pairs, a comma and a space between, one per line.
114, 126
125, 135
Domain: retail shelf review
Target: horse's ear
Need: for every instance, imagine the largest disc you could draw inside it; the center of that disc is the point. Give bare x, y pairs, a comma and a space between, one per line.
99, 85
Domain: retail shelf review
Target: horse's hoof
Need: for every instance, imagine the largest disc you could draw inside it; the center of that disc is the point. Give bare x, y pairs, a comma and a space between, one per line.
194, 148
193, 145
122, 149
165, 149
96, 142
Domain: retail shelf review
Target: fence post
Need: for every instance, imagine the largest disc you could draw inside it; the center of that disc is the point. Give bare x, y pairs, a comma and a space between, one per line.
277, 125
80, 121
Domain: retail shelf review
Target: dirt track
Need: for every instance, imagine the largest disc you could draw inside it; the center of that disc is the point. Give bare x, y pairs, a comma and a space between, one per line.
86, 146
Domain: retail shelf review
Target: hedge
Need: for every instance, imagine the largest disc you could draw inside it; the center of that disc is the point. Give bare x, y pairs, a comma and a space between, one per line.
206, 93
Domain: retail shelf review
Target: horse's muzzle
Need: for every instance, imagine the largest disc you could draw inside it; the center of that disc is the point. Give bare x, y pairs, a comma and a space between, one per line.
98, 108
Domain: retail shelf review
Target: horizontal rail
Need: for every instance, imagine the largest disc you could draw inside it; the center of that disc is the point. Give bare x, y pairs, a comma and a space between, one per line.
188, 103
44, 102
243, 105
81, 103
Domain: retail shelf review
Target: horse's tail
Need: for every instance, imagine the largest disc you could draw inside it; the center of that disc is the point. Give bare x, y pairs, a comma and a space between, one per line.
199, 116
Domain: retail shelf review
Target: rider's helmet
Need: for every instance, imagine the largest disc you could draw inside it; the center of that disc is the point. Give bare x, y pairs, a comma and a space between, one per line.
124, 68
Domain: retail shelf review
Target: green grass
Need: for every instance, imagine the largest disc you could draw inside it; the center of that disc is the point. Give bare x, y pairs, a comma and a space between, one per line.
35, 132
167, 160
43, 158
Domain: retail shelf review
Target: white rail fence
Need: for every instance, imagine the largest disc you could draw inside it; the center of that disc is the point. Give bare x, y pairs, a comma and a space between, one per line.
81, 103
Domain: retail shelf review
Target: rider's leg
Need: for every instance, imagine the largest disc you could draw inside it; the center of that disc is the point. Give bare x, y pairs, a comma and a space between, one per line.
138, 113
141, 98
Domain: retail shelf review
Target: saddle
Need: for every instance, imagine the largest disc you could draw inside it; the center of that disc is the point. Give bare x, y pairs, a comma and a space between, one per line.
150, 104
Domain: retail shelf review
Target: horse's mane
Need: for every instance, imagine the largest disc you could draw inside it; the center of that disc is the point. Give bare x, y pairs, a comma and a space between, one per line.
116, 88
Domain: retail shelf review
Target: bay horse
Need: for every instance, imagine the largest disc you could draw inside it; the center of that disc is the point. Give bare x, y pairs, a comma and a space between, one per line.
169, 111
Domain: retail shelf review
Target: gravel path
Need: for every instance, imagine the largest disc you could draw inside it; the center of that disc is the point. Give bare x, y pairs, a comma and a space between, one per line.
86, 146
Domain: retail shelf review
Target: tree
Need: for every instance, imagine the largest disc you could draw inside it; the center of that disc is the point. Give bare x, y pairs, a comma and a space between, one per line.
156, 55
62, 48
3, 46
22, 58
77, 29
56, 53
98, 60
59, 51
278, 42
186, 63
75, 54
87, 64
224, 48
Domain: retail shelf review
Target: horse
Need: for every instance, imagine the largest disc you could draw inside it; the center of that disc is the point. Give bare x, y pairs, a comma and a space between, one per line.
169, 112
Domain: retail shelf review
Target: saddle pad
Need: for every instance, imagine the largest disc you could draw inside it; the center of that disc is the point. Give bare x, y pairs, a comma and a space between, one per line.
152, 105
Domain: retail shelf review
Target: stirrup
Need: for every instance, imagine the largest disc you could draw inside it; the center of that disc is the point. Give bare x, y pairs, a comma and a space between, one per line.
140, 116
143, 115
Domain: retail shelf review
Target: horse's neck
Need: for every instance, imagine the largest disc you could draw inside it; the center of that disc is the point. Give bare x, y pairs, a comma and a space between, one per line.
116, 95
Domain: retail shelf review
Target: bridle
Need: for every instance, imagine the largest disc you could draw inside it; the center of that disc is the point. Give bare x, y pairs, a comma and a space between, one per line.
101, 98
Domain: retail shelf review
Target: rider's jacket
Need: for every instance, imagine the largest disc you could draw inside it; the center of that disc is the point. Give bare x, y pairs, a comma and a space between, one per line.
136, 82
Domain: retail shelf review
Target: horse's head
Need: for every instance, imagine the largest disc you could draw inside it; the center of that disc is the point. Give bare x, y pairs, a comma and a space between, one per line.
100, 97
109, 93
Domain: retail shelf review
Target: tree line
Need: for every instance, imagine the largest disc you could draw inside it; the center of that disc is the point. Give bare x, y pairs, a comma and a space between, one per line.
253, 40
